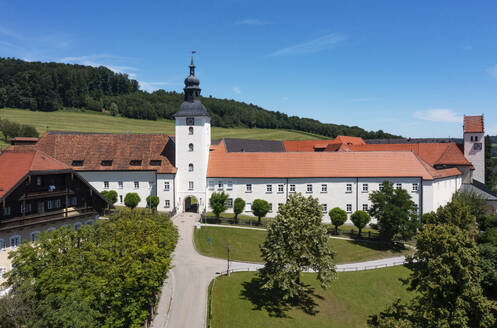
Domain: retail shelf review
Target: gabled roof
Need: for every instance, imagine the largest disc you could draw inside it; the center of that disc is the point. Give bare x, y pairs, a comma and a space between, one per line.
121, 149
321, 164
473, 124
349, 140
14, 165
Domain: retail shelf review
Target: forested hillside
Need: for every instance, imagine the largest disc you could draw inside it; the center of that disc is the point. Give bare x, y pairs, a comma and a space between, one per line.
53, 86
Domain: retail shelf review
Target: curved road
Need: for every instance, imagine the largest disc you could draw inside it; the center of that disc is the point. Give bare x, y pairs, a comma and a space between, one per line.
183, 302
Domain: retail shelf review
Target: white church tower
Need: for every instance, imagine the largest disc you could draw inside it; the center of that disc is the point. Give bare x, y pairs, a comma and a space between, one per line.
193, 140
474, 145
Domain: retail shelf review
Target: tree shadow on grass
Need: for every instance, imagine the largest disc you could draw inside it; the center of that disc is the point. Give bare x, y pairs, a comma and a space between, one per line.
381, 245
272, 300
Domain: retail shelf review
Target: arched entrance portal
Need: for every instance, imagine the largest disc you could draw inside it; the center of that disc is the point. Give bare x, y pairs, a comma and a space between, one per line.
191, 204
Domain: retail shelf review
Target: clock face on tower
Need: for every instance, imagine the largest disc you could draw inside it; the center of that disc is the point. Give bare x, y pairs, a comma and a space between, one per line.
190, 121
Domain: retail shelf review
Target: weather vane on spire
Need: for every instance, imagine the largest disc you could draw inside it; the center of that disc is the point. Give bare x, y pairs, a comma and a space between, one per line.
192, 65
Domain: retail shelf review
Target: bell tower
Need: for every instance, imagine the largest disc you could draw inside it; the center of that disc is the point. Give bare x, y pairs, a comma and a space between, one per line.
193, 139
474, 145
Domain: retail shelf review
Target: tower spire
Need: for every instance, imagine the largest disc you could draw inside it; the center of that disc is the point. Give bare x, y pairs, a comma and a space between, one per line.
192, 65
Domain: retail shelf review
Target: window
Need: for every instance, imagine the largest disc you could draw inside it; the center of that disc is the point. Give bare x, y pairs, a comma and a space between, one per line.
365, 187
135, 162
41, 207
309, 188
137, 184
211, 184
78, 225
106, 184
349, 208
349, 187
77, 163
155, 162
324, 188
476, 138
270, 207
190, 147
106, 162
89, 222
230, 202
414, 187
324, 207
220, 185
73, 201
292, 188
150, 184
167, 203
51, 229
2, 244
50, 204
229, 185
58, 203
248, 187
120, 184
35, 235
269, 188
281, 188
248, 207
478, 146
190, 167
190, 121
38, 181
26, 209
15, 241
381, 187
190, 185
365, 207
166, 185
190, 130
121, 199
398, 185
6, 211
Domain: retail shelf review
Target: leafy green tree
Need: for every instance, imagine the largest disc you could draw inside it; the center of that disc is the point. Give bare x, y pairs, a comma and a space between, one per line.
238, 207
260, 207
490, 176
297, 240
218, 203
110, 196
360, 219
455, 212
446, 277
338, 217
153, 202
396, 213
114, 110
488, 263
132, 199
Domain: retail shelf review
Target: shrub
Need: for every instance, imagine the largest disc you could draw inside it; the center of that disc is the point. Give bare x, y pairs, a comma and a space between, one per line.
238, 208
218, 203
360, 219
260, 208
132, 200
153, 202
338, 217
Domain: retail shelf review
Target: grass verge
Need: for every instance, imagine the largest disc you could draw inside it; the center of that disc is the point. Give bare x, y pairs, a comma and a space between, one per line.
350, 300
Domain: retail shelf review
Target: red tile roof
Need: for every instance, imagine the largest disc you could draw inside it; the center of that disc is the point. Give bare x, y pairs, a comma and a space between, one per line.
14, 165
121, 149
310, 145
349, 140
473, 124
321, 164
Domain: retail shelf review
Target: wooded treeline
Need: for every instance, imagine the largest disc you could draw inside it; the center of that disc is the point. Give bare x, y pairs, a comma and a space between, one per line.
53, 86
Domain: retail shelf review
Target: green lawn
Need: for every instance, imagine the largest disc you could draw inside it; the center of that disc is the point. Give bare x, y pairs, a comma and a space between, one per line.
244, 246
347, 303
89, 121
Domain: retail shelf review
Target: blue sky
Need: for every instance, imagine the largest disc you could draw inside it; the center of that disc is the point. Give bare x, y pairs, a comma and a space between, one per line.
411, 68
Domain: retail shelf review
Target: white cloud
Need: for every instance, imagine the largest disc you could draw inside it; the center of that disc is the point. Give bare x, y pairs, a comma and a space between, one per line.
439, 115
492, 71
236, 90
252, 22
316, 45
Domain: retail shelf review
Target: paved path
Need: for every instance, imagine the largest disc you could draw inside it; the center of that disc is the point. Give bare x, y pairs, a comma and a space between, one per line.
183, 301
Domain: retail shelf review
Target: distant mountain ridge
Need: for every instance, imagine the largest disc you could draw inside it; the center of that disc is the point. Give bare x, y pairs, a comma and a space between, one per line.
52, 86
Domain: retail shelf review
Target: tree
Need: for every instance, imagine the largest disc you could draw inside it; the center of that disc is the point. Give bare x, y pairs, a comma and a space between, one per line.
455, 212
218, 203
360, 219
152, 202
297, 240
446, 278
238, 207
110, 196
396, 213
260, 208
490, 176
114, 110
338, 217
132, 199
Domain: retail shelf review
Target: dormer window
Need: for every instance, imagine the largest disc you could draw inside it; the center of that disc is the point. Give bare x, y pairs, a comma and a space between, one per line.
77, 163
135, 162
155, 162
106, 163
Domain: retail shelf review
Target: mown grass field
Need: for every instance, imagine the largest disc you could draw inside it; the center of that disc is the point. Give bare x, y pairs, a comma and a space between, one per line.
244, 246
347, 303
100, 122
